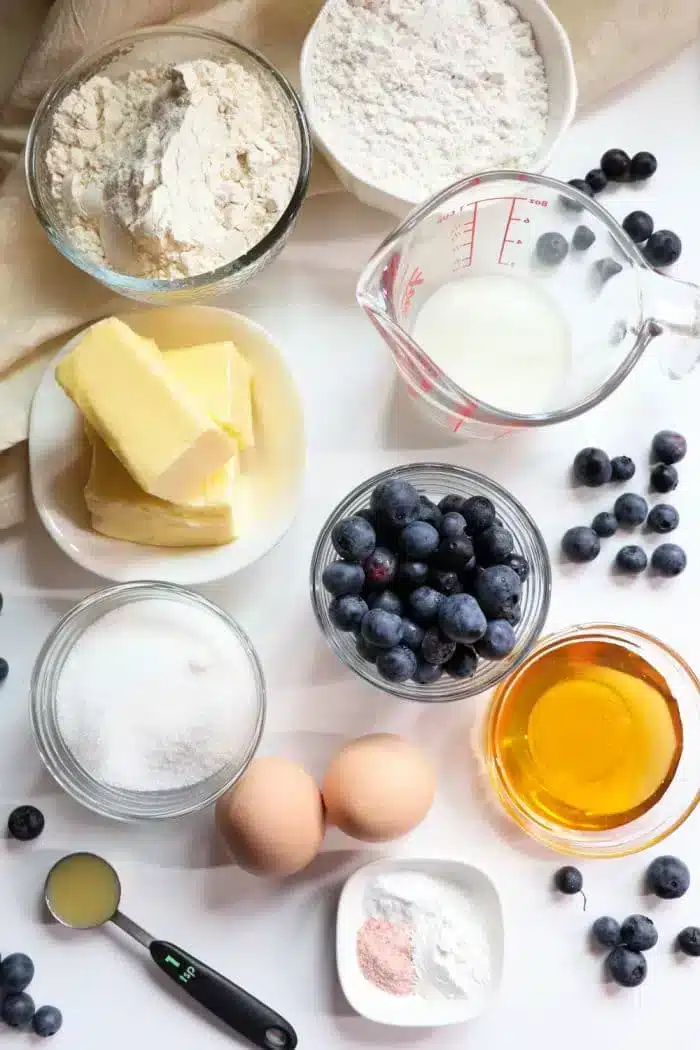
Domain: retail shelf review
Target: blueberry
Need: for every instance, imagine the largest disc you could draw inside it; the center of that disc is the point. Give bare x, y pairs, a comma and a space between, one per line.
663, 478
493, 546
368, 651
16, 972
397, 501
639, 225
663, 248
17, 1010
461, 618
4, 668
429, 512
519, 565
663, 518
513, 614
592, 467
669, 447
342, 577
25, 823
615, 163
411, 634
397, 664
607, 268
445, 581
354, 538
479, 514
497, 590
455, 554
386, 600
582, 187
452, 524
631, 510
638, 933
382, 628
412, 574
369, 515
450, 503
604, 524
623, 468
669, 559
498, 641
582, 239
47, 1021
418, 540
426, 674
642, 166
597, 180
626, 967
568, 880
606, 931
551, 248
631, 559
688, 941
580, 544
464, 662
380, 568
346, 613
436, 648
667, 877
423, 605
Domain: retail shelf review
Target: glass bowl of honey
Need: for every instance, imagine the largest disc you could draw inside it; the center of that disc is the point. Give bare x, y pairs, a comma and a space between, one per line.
593, 743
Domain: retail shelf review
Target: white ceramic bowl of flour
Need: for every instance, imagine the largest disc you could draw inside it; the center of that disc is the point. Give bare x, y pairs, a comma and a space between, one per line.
334, 136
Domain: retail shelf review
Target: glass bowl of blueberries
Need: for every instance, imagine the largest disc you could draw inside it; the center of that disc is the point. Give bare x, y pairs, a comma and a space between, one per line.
431, 582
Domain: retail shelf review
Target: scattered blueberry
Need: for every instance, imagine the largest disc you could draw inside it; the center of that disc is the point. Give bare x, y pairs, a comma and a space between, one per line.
346, 613
551, 248
16, 972
582, 239
638, 933
386, 600
397, 664
452, 524
642, 166
47, 1021
425, 673
4, 668
607, 268
623, 468
411, 574
568, 880
342, 577
668, 878
450, 503
493, 545
604, 524
688, 941
411, 634
17, 1010
582, 187
418, 540
639, 225
25, 823
597, 180
519, 565
497, 642
663, 518
436, 648
669, 559
669, 447
382, 628
592, 467
397, 502
626, 967
663, 478
354, 538
380, 567
461, 618
616, 164
423, 605
368, 651
606, 931
456, 554
479, 514
497, 590
429, 511
580, 544
631, 510
631, 559
463, 663
445, 581
663, 248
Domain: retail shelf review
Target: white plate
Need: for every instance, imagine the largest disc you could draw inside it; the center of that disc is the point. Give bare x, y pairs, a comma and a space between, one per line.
412, 1011
272, 472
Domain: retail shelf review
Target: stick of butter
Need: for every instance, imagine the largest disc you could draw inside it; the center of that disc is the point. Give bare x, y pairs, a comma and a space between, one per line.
220, 378
143, 411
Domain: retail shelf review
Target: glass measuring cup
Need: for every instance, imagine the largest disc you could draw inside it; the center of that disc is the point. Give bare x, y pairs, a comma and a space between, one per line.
488, 226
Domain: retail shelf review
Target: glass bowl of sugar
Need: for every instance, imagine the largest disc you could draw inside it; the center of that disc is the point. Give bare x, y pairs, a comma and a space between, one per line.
147, 702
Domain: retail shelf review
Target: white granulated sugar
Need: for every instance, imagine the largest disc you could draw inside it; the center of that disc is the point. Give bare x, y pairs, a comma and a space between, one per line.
156, 695
171, 171
411, 95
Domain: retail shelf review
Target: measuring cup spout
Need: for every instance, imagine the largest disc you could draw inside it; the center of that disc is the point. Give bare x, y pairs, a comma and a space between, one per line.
672, 309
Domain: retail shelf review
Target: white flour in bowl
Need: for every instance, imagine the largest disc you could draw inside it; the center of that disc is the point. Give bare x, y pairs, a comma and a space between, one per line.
411, 95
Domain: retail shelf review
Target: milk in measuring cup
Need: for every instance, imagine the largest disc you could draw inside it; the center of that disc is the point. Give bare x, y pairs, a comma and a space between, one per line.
502, 339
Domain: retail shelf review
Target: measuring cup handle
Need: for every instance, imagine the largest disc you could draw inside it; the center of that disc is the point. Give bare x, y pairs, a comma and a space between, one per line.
261, 1025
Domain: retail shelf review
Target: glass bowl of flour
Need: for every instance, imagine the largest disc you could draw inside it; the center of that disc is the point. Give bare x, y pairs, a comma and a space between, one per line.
170, 165
147, 701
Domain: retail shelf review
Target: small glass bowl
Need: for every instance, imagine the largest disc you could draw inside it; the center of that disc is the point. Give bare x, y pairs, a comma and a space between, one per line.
163, 46
681, 796
102, 798
435, 480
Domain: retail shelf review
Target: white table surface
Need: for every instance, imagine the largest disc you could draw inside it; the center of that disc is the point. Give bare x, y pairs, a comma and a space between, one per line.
277, 939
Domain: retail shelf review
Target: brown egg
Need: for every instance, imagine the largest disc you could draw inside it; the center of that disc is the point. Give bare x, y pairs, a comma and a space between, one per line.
272, 819
378, 788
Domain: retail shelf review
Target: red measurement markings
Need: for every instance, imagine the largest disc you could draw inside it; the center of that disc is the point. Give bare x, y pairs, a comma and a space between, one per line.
506, 231
414, 281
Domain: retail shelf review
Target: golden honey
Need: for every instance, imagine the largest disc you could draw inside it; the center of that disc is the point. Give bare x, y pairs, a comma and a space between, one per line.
588, 736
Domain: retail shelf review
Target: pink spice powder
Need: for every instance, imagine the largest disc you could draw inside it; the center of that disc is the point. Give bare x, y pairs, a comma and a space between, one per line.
385, 955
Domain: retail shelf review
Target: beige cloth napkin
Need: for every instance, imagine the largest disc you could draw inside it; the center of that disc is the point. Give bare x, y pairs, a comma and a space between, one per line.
42, 297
